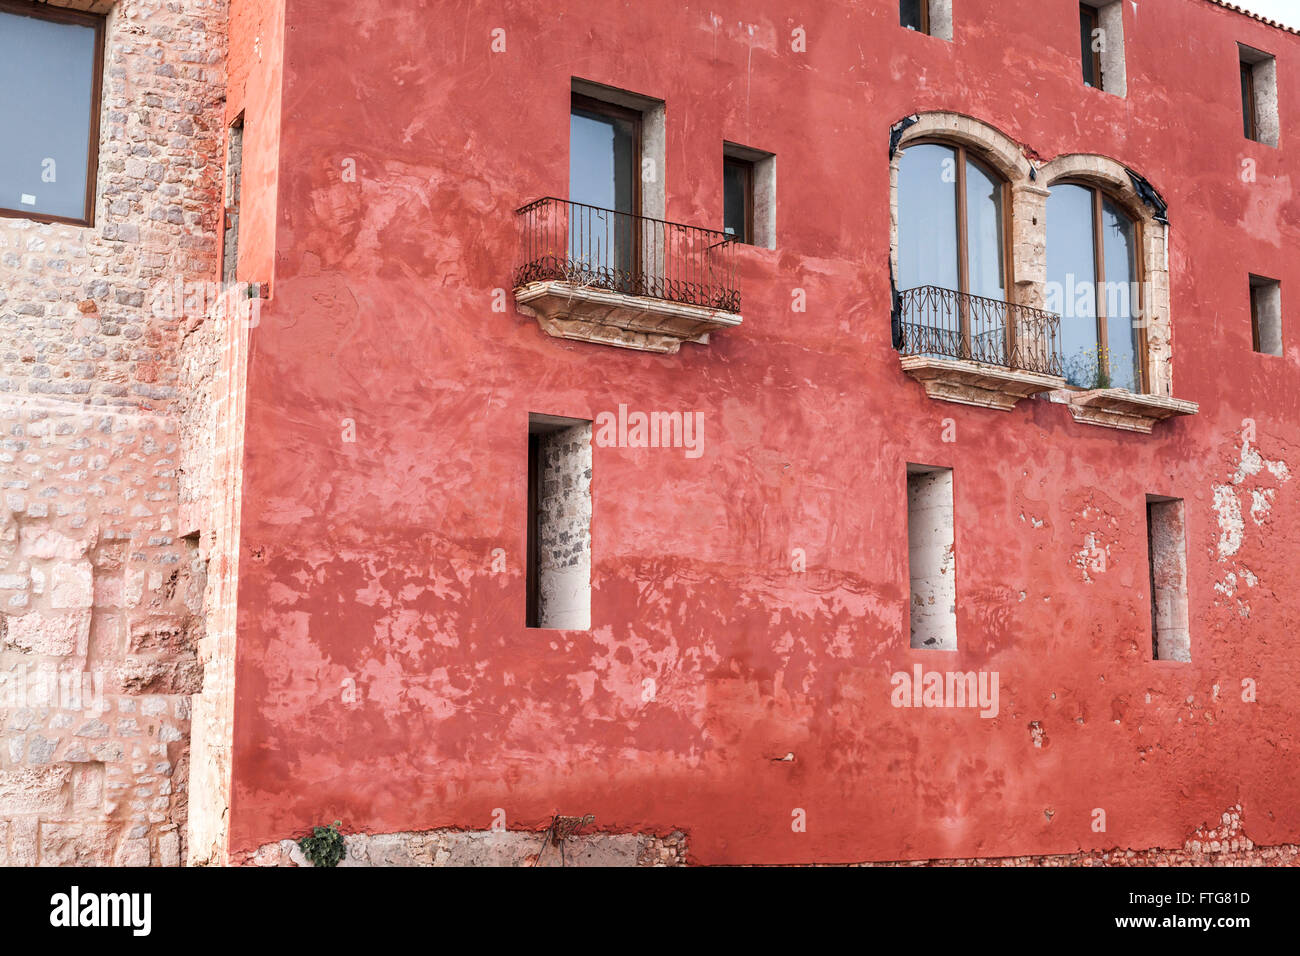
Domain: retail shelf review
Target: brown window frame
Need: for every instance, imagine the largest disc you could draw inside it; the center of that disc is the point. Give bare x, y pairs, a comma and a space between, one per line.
1249, 102
965, 154
1099, 197
1094, 21
42, 11
924, 6
747, 165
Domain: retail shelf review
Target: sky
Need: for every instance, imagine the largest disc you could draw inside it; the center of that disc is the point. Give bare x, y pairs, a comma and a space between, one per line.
1283, 11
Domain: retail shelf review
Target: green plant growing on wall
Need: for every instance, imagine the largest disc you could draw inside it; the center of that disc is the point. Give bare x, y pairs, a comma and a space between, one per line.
325, 845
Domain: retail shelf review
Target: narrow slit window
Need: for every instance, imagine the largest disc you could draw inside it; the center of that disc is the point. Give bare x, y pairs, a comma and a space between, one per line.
1167, 557
1090, 39
234, 180
559, 523
931, 558
1266, 315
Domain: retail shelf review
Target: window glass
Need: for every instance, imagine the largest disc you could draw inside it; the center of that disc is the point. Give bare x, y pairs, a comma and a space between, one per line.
736, 200
1072, 279
1119, 246
984, 249
47, 85
927, 217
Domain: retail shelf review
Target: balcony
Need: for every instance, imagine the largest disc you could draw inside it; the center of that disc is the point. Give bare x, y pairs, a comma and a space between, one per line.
978, 351
612, 278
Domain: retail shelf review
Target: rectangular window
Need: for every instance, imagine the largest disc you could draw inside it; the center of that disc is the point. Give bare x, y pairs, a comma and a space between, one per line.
1167, 557
1266, 315
749, 195
931, 558
738, 198
1101, 45
51, 68
1259, 113
1090, 39
915, 15
559, 523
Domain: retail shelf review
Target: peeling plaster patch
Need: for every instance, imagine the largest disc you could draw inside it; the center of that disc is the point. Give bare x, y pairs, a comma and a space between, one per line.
1231, 528
1228, 512
1261, 502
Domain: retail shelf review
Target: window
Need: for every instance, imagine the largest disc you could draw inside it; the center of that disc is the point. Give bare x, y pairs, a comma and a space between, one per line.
51, 65
1167, 560
234, 179
951, 222
1090, 37
915, 14
1101, 45
1266, 315
1093, 271
749, 195
1259, 95
931, 558
559, 523
933, 17
738, 198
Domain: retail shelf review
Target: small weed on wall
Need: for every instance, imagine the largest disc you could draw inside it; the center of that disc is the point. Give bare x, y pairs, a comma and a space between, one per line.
325, 845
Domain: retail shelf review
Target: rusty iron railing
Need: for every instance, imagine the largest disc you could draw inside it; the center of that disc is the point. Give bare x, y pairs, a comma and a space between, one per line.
951, 324
620, 252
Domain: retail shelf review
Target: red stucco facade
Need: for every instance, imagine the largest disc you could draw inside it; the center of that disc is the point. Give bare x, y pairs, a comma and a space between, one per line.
369, 563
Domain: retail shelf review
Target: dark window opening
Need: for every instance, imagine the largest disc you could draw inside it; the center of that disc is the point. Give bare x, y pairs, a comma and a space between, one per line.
915, 15
738, 198
51, 72
1089, 28
1249, 112
1266, 315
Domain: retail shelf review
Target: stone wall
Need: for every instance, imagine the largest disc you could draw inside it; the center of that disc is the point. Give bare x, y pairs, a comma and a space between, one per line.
564, 529
101, 593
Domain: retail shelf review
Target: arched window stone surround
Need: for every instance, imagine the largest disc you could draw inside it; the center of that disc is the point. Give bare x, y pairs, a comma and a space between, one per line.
1113, 179
1030, 188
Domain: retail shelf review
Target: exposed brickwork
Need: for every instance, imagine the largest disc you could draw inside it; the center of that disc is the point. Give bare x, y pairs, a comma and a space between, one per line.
97, 586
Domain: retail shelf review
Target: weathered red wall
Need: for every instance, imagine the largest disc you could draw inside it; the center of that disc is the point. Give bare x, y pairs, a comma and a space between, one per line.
372, 560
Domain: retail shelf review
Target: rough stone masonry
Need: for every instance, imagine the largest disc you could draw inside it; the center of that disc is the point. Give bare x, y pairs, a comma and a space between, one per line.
103, 414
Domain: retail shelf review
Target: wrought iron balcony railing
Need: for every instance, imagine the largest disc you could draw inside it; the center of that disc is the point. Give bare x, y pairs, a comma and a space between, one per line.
619, 252
941, 322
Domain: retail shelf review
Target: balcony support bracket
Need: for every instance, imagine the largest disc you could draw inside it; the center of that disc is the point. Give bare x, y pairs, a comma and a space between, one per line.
570, 310
975, 383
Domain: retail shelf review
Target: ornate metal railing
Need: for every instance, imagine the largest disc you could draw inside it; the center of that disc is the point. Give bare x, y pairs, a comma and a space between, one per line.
951, 324
619, 252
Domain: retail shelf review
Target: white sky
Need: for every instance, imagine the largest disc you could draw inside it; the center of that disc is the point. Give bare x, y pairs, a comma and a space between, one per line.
1283, 11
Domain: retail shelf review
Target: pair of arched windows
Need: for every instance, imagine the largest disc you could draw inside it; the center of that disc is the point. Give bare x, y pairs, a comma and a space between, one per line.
954, 233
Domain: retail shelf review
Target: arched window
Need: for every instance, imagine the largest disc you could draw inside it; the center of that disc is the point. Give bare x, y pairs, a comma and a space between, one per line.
1094, 281
951, 222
